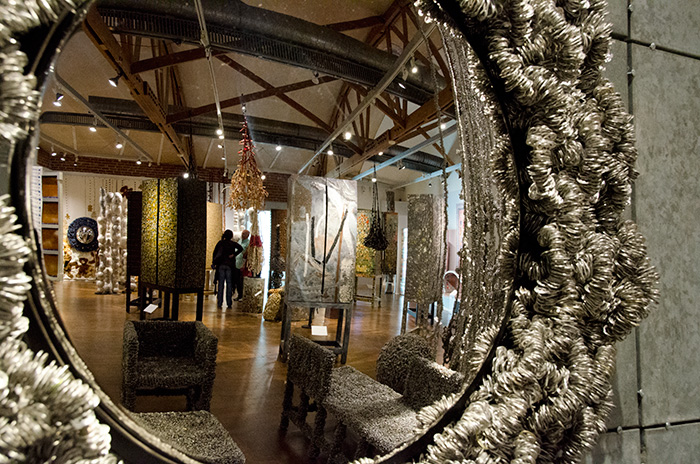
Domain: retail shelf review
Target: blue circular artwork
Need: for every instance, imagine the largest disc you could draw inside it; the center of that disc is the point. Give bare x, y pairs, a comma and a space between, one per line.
82, 234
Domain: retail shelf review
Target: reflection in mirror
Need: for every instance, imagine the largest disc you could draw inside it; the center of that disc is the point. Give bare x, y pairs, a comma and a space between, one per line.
129, 100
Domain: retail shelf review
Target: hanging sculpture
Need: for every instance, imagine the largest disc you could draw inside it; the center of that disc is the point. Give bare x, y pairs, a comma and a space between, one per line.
248, 191
111, 271
376, 237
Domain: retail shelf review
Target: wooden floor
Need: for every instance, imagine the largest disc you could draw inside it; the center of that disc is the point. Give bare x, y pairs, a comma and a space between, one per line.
249, 378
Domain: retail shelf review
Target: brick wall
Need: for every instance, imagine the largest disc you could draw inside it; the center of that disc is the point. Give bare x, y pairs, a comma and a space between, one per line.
275, 183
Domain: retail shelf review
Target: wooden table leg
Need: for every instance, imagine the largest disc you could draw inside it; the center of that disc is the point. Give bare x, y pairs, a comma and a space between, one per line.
200, 305
128, 292
165, 301
346, 336
142, 301
285, 332
176, 305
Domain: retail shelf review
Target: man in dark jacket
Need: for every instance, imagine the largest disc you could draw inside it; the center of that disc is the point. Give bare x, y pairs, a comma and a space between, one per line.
224, 258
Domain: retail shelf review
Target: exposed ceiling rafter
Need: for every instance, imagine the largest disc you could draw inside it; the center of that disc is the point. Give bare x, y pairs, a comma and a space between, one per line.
120, 60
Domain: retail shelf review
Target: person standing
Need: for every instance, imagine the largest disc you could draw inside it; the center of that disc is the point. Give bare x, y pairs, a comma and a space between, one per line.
224, 258
240, 262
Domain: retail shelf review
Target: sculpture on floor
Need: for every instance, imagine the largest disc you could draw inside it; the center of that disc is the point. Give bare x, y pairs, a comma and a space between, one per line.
111, 271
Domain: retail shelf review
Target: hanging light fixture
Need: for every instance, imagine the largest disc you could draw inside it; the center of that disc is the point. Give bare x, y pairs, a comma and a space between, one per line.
330, 152
347, 135
119, 145
278, 148
138, 162
314, 79
114, 81
57, 101
263, 177
186, 175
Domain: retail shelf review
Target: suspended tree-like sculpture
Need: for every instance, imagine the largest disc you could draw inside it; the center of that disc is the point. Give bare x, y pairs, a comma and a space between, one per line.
248, 191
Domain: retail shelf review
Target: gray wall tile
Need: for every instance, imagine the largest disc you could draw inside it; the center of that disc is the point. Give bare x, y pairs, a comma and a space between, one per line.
616, 448
624, 384
671, 23
677, 445
616, 70
618, 15
666, 96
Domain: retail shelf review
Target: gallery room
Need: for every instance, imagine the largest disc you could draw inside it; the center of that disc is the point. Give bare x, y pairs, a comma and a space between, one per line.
307, 231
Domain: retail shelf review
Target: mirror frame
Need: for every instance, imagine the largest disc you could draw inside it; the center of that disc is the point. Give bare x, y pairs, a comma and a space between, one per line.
42, 29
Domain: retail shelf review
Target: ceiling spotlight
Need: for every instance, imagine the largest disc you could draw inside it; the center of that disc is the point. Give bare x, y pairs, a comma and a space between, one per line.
347, 135
220, 145
119, 145
93, 128
401, 165
186, 175
242, 107
443, 125
314, 79
219, 131
414, 68
223, 158
75, 163
221, 136
53, 153
114, 81
430, 184
263, 177
278, 148
63, 157
402, 85
57, 101
138, 162
374, 179
380, 153
330, 152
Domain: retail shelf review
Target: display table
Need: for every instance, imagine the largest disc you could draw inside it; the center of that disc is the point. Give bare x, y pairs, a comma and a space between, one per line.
376, 286
339, 346
146, 288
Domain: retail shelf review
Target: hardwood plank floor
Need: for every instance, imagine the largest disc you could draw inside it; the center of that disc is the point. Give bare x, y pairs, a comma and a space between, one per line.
249, 378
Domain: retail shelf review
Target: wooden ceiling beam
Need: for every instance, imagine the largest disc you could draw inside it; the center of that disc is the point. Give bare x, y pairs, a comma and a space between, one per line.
171, 59
230, 102
285, 98
99, 33
424, 114
356, 24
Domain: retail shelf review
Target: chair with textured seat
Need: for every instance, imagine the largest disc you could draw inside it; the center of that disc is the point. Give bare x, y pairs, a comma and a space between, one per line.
198, 434
168, 358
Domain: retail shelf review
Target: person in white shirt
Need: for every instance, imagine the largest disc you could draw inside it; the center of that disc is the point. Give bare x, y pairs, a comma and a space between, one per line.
240, 262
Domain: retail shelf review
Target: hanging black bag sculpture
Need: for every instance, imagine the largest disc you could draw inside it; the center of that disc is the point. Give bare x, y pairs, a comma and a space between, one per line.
376, 238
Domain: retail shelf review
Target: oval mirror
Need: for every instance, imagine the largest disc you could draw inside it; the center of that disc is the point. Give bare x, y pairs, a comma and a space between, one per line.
493, 111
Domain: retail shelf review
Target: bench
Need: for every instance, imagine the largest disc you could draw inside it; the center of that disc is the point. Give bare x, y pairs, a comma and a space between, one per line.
382, 418
197, 434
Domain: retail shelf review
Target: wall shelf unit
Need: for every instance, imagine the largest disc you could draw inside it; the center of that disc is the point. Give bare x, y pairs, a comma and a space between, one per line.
52, 223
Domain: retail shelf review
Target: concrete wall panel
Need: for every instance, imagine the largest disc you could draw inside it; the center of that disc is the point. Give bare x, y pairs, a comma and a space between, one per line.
666, 105
678, 445
616, 448
670, 23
